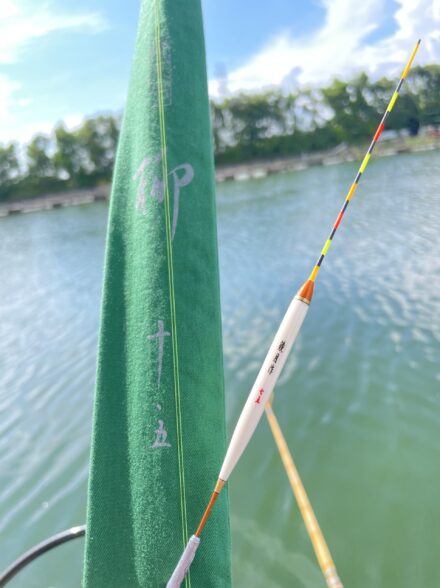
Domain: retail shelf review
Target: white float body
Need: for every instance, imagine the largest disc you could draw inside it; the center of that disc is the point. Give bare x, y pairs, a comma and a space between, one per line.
264, 384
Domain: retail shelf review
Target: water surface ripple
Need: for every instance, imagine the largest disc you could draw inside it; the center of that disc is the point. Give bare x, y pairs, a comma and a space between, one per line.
359, 400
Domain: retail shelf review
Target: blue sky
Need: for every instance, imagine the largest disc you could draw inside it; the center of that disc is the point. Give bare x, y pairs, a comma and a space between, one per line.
64, 59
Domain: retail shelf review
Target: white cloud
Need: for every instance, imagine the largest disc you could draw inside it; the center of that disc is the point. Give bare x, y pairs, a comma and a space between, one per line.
341, 46
7, 88
73, 121
24, 102
23, 132
24, 21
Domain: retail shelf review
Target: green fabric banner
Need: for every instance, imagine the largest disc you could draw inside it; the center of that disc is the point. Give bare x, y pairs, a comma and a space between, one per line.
159, 429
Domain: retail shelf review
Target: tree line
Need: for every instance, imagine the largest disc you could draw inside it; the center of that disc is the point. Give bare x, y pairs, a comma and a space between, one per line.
245, 126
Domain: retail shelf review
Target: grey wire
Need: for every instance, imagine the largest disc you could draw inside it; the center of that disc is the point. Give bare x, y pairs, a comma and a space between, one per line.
40, 549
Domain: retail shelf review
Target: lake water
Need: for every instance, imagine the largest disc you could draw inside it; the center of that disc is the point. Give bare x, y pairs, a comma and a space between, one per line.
359, 400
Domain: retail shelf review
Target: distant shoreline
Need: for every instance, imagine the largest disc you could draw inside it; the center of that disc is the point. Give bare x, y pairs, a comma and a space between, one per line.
236, 172
340, 154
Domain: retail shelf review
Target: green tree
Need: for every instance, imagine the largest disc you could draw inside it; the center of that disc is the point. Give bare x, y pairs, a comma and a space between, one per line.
68, 158
9, 170
354, 117
97, 142
267, 124
39, 161
218, 125
424, 84
86, 156
405, 116
254, 117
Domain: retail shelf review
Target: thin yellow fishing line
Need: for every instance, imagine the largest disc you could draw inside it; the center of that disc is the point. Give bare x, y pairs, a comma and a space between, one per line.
172, 304
173, 300
171, 286
170, 261
165, 175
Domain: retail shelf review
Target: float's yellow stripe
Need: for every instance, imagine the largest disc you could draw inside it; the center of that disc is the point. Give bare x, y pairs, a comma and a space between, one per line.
314, 273
326, 246
411, 59
392, 101
365, 163
351, 191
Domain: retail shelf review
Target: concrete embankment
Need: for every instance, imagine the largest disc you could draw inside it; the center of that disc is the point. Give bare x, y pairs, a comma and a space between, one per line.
59, 200
254, 169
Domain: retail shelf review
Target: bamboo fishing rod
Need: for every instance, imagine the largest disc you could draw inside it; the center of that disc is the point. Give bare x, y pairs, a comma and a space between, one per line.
320, 547
276, 357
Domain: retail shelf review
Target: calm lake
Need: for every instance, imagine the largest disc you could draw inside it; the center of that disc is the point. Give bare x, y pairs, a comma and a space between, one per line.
359, 400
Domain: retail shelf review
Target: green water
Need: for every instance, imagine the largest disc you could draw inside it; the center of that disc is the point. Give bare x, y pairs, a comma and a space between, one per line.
359, 400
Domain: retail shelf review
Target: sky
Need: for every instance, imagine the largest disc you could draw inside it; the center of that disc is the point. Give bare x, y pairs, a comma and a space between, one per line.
61, 60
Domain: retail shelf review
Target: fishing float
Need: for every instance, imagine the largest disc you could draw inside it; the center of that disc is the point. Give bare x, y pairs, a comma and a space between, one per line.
276, 357
319, 544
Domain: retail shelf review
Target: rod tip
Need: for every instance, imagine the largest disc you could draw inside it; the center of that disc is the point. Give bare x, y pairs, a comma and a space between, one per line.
184, 563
